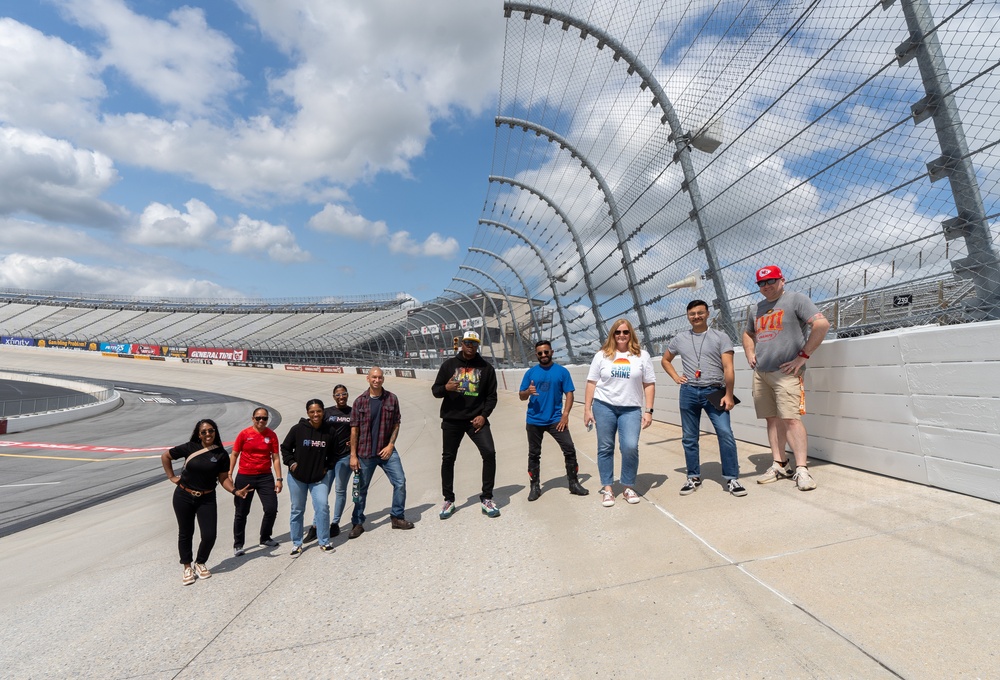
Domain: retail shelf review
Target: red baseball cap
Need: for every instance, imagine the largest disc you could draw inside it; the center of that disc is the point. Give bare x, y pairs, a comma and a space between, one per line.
769, 272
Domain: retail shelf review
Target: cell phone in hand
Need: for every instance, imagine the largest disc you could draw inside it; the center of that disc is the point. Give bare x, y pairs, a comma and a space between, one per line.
590, 426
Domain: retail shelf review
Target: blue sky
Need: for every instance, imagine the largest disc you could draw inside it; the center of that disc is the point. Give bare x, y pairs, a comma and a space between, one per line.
244, 147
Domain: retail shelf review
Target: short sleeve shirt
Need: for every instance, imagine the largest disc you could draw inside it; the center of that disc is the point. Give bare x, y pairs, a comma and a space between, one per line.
701, 352
779, 329
202, 473
545, 408
255, 449
620, 378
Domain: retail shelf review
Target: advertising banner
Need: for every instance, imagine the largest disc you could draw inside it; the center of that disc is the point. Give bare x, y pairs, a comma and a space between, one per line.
20, 342
223, 354
423, 354
146, 350
362, 370
177, 352
249, 364
196, 361
405, 373
68, 344
116, 347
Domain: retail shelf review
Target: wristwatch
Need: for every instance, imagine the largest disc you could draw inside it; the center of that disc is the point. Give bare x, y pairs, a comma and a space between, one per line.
279, 479
649, 411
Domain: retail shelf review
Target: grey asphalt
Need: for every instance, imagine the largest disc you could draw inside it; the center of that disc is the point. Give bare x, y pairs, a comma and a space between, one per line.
42, 483
865, 577
11, 390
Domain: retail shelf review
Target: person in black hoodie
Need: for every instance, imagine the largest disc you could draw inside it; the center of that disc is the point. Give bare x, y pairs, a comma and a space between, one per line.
309, 454
467, 384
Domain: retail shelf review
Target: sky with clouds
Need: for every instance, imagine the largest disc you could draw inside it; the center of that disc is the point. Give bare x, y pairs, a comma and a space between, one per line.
301, 148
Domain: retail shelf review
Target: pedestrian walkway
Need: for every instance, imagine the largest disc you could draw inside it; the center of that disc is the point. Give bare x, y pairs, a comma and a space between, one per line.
865, 577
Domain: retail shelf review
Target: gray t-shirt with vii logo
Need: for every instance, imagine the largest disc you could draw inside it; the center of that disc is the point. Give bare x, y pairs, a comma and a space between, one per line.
780, 328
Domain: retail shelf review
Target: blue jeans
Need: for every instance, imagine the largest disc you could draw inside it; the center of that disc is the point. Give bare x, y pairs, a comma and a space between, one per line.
393, 469
627, 422
320, 492
342, 477
692, 402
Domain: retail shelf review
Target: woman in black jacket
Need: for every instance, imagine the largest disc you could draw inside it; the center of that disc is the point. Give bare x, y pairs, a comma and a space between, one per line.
308, 453
206, 463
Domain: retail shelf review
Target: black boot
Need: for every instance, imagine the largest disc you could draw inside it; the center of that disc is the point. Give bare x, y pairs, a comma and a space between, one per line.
535, 491
575, 487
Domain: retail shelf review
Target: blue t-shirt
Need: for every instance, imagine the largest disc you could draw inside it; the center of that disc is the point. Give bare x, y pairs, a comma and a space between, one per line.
545, 408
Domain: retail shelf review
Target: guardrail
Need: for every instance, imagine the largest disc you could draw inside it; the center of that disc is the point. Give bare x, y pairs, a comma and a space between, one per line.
20, 407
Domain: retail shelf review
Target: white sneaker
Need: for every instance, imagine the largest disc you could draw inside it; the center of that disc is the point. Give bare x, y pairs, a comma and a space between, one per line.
775, 472
607, 498
803, 480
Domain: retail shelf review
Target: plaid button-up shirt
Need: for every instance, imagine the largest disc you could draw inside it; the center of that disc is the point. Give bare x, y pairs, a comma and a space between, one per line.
361, 419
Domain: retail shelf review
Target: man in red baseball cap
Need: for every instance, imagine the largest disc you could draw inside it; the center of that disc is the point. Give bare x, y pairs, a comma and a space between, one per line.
778, 341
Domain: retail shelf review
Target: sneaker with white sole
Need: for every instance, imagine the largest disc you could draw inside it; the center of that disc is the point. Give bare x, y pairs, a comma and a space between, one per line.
775, 472
202, 571
239, 551
269, 543
803, 480
188, 578
296, 551
490, 508
607, 498
734, 487
447, 510
691, 485
630, 496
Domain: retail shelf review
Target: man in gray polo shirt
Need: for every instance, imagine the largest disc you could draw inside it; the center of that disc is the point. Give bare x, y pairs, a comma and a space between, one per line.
707, 361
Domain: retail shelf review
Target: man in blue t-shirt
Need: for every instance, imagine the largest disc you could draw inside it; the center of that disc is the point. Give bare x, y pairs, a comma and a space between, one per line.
543, 388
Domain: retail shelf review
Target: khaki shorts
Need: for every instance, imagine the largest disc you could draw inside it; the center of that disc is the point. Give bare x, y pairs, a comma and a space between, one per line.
777, 394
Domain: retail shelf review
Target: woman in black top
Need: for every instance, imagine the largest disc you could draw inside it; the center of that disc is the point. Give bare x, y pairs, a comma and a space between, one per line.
308, 454
338, 417
206, 462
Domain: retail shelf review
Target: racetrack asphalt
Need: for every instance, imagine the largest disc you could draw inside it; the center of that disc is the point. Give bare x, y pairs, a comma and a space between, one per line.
865, 577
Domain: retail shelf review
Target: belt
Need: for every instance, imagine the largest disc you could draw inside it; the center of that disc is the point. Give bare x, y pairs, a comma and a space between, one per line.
195, 492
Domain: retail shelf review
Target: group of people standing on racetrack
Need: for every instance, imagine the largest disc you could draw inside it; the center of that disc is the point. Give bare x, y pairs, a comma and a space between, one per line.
324, 449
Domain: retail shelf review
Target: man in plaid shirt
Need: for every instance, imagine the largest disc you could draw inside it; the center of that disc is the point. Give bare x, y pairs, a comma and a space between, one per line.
374, 427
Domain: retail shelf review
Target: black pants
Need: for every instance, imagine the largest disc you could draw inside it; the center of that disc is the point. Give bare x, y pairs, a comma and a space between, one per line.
264, 486
452, 432
187, 508
564, 440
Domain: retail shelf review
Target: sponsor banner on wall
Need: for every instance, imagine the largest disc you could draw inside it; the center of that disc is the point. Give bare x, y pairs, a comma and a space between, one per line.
445, 327
314, 369
223, 354
405, 373
178, 352
362, 370
432, 354
117, 347
196, 361
147, 350
249, 364
20, 342
424, 330
69, 344
423, 354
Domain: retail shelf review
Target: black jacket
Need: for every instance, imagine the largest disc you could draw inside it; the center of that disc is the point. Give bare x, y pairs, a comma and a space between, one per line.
313, 450
478, 396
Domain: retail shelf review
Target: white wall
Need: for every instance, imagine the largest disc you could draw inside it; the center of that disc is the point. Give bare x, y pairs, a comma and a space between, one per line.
916, 404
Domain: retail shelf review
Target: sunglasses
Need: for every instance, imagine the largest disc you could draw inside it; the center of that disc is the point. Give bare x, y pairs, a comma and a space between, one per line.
470, 343
260, 419
623, 332
767, 282
207, 431
544, 353
338, 395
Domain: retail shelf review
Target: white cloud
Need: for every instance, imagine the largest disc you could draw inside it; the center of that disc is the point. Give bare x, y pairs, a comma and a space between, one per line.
53, 180
43, 80
336, 219
180, 62
434, 245
164, 225
64, 274
256, 237
34, 238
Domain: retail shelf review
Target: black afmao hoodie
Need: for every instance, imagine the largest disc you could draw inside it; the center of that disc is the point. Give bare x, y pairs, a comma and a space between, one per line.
312, 449
478, 396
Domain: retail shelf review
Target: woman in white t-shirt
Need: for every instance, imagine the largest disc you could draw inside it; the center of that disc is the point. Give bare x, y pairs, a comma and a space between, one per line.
620, 389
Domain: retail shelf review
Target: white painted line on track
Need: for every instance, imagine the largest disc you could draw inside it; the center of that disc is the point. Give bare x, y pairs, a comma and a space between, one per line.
7, 486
